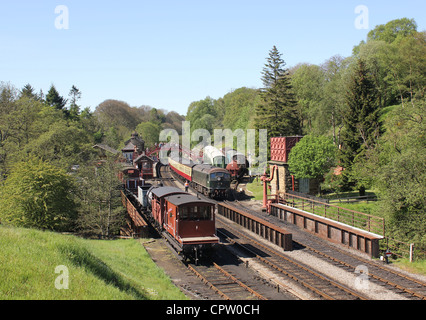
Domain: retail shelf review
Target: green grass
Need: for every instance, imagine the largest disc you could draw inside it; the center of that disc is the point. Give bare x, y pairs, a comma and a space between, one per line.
98, 269
418, 266
370, 207
256, 189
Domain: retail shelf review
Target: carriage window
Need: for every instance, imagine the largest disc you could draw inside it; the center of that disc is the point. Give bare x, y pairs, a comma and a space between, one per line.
184, 213
196, 213
204, 213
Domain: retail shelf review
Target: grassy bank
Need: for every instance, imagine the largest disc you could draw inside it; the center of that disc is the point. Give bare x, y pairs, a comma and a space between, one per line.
97, 269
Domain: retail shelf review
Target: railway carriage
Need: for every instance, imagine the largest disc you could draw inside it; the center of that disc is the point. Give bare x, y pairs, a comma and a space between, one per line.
191, 222
183, 170
156, 203
186, 221
214, 157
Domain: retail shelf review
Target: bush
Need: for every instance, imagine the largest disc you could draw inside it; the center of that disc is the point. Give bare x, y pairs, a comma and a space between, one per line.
38, 195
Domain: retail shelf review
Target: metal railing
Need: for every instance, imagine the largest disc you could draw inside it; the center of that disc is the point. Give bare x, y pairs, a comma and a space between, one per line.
353, 218
401, 249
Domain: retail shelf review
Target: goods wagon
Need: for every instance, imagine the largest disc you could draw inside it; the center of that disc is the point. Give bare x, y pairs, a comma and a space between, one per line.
186, 221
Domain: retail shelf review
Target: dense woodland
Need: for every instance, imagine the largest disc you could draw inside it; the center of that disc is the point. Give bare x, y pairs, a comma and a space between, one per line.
49, 172
364, 113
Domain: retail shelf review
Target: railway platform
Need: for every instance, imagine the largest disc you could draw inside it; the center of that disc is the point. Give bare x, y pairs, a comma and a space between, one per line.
329, 229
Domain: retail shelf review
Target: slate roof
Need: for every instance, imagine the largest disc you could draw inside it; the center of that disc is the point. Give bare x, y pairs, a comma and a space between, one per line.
181, 199
163, 191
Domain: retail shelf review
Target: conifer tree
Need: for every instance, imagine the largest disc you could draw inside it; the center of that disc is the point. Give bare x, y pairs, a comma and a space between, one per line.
53, 98
75, 95
362, 125
277, 113
28, 91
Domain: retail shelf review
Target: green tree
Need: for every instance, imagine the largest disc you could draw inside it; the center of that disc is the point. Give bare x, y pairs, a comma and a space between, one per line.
173, 121
18, 125
120, 116
398, 172
407, 66
390, 31
150, 132
199, 109
312, 157
63, 144
38, 195
308, 83
28, 91
333, 104
100, 210
278, 112
362, 125
157, 116
75, 95
54, 99
239, 108
398, 68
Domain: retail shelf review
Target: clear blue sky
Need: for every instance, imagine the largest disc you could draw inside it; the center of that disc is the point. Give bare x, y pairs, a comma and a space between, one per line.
167, 54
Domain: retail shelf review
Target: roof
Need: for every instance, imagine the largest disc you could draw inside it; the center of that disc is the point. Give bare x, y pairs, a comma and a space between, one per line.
135, 140
125, 166
106, 148
181, 199
141, 157
129, 147
164, 191
180, 160
207, 168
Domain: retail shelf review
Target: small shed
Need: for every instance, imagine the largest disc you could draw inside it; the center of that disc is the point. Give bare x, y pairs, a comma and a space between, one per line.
145, 166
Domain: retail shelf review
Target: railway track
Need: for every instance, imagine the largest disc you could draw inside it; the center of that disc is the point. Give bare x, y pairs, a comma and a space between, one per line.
226, 285
318, 283
239, 283
395, 281
321, 285
314, 281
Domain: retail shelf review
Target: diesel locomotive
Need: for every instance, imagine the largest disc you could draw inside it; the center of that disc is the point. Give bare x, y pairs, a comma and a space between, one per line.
209, 180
